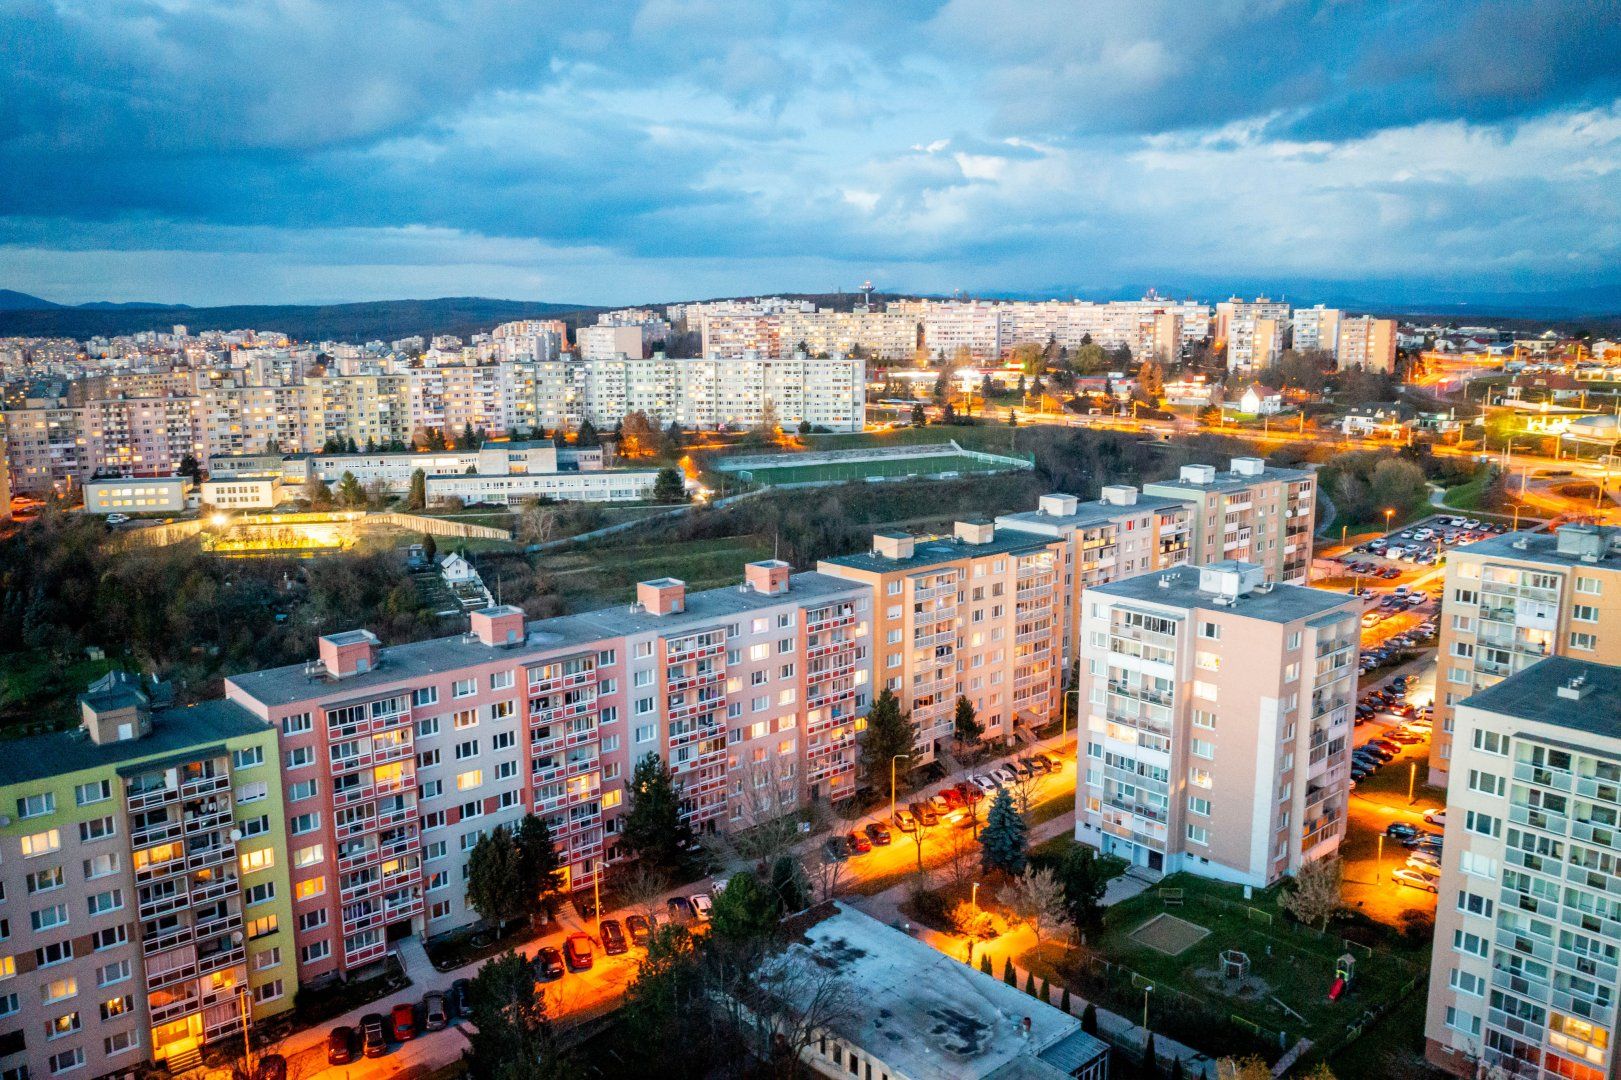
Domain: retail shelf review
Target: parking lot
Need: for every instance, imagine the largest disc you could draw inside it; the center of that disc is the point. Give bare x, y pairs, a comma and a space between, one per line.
1416, 546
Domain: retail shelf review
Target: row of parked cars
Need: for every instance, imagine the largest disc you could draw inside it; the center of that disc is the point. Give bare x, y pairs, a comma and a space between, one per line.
1422, 870
1392, 648
403, 1023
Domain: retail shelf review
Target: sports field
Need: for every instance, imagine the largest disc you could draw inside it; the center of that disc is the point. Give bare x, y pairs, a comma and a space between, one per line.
878, 466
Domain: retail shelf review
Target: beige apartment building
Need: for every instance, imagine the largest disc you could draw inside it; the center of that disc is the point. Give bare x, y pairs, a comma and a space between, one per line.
1119, 535
977, 614
1217, 721
1366, 342
1527, 954
1254, 513
1512, 600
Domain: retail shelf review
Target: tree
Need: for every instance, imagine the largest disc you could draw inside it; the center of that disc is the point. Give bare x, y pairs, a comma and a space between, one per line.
189, 467
653, 828
790, 1003
1010, 976
1012, 418
637, 435
1151, 381
985, 963
495, 881
968, 728
1030, 983
587, 435
1036, 899
744, 911
1250, 1068
1150, 1058
1004, 838
919, 416
350, 494
1030, 357
668, 486
1089, 1019
430, 547
1063, 1000
1316, 896
889, 735
804, 427
539, 867
666, 1000
467, 440
512, 1036
788, 885
1084, 877
317, 493
417, 497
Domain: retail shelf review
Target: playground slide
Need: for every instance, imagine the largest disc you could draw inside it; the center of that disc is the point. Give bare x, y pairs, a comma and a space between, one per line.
1336, 990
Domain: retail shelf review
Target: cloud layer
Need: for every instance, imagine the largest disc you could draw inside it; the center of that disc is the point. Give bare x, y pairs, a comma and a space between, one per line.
310, 150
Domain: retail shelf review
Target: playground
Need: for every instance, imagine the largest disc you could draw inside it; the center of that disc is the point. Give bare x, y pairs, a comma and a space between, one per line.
1220, 962
944, 459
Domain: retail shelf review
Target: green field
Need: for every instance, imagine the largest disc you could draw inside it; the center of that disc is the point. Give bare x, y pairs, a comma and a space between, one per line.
860, 470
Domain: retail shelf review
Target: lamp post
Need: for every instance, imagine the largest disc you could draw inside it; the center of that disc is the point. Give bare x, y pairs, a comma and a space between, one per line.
1063, 722
1379, 861
1389, 513
596, 893
1149, 989
974, 897
892, 761
1412, 779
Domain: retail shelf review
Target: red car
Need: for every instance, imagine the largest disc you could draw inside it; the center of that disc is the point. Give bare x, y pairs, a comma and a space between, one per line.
858, 843
577, 951
403, 1017
969, 792
953, 798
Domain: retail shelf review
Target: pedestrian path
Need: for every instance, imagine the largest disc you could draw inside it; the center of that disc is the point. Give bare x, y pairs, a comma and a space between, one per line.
414, 959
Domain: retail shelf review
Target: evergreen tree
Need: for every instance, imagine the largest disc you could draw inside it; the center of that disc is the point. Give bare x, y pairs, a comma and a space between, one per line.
788, 886
1150, 1058
804, 427
1044, 992
539, 867
1010, 976
1030, 983
587, 435
495, 883
1012, 418
985, 389
317, 493
668, 486
985, 962
189, 467
1005, 837
968, 728
354, 447
653, 828
919, 416
1089, 1019
744, 911
1084, 878
1176, 1069
417, 498
1063, 1000
350, 494
512, 1036
888, 736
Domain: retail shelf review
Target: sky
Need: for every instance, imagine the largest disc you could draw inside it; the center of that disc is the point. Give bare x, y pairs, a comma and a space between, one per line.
304, 151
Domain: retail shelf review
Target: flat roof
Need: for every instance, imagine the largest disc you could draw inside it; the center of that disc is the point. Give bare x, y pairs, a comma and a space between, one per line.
932, 551
283, 685
1227, 480
1095, 512
1276, 603
1540, 547
1533, 694
927, 1015
173, 730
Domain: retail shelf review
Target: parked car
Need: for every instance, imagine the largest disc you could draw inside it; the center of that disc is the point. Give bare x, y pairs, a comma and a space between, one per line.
1424, 860
1429, 841
904, 820
1436, 817
878, 833
1020, 768
613, 938
835, 848
925, 814
985, 782
373, 1036
680, 909
971, 792
640, 930
403, 1019
1044, 763
1004, 776
1414, 879
1400, 830
702, 905
953, 798
461, 997
435, 1014
549, 964
340, 1045
857, 843
1385, 744
939, 804
117, 519
577, 952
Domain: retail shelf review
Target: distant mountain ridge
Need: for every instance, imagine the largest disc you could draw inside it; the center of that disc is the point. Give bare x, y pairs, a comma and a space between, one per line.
22, 315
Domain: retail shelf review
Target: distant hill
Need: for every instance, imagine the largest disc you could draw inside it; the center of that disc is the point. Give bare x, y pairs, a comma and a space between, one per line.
110, 305
26, 316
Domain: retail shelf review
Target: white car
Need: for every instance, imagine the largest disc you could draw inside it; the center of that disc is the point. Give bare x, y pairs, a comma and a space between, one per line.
1414, 879
1425, 862
984, 783
702, 905
117, 519
1436, 817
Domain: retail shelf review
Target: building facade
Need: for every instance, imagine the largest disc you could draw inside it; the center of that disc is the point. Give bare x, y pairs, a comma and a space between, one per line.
1367, 343
1511, 600
1217, 721
1253, 512
1527, 955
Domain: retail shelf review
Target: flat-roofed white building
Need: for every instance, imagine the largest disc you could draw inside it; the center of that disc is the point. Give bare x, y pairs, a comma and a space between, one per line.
136, 495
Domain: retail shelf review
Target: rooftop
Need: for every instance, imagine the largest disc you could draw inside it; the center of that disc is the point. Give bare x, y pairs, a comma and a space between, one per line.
1179, 587
934, 550
1095, 512
1543, 547
283, 685
1228, 480
1535, 694
928, 1016
173, 731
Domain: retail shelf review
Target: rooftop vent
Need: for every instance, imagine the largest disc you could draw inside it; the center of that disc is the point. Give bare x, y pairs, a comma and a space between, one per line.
1573, 688
1248, 466
1198, 474
1585, 542
892, 544
1118, 495
975, 532
1057, 505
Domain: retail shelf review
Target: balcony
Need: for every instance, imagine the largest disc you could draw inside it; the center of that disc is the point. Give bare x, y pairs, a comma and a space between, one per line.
204, 785
539, 684
694, 708
176, 1008
365, 954
156, 834
151, 799
827, 618
552, 714
211, 821
352, 795
692, 649
676, 683
348, 864
164, 904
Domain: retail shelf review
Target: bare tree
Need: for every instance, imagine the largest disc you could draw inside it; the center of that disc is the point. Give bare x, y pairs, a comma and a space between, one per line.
827, 875
918, 836
1035, 897
1027, 791
1316, 895
962, 856
536, 523
792, 1001
642, 889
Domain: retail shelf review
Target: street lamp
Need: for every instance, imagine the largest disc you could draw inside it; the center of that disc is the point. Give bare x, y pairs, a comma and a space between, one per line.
1412, 779
1149, 989
974, 897
596, 893
1063, 722
892, 761
1389, 513
1379, 861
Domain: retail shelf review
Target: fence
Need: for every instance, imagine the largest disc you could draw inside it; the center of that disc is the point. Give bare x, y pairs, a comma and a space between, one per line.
439, 526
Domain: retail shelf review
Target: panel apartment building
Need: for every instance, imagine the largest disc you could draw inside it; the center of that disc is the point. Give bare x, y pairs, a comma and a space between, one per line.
978, 614
1218, 721
1253, 512
1527, 956
147, 879
1510, 601
396, 760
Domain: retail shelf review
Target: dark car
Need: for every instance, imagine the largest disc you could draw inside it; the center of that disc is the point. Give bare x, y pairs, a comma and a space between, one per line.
971, 793
435, 1014
271, 1067
340, 1046
577, 951
859, 844
461, 997
548, 964
373, 1036
878, 833
680, 909
639, 929
836, 849
403, 1017
1387, 746
1400, 830
613, 938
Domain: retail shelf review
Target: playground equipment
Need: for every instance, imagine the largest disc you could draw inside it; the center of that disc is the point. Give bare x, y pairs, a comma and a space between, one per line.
1235, 964
1344, 971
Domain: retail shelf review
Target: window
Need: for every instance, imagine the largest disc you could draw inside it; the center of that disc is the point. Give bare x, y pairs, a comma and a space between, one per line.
103, 902
66, 1061
428, 727
439, 909
1491, 742
607, 658
93, 792
432, 789
463, 688
257, 860
109, 938
1486, 783
41, 843
1470, 944
1198, 834
312, 920
1584, 642
506, 770
249, 757
1589, 586
424, 696
1197, 805
308, 856
304, 823
255, 826
464, 719
1202, 748
1474, 904
262, 926
1483, 824
44, 880
645, 733
1210, 631
1584, 613
248, 793
96, 829
8, 966
309, 889
297, 724
644, 706
1458, 1020
314, 952
124, 1040
300, 757
60, 989
117, 1006
262, 893
47, 918
9, 1004
113, 973
428, 759
504, 740
1204, 690
66, 1024
269, 991
465, 750
55, 953
1199, 778
469, 780
101, 866
1204, 719
644, 649
304, 789
501, 680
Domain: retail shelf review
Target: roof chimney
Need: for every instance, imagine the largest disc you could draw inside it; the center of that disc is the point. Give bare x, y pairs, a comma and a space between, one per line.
1198, 474
353, 652
501, 625
662, 596
893, 544
769, 577
975, 532
1573, 688
1248, 466
1057, 505
1118, 495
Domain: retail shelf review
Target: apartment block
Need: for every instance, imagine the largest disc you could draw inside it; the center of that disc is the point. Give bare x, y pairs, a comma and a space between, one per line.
396, 760
1253, 512
978, 614
1366, 342
1510, 601
1527, 956
605, 342
1252, 331
1315, 328
147, 880
1119, 535
1218, 721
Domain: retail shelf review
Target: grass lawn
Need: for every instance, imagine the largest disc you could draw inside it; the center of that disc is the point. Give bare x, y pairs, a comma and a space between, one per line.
933, 465
1392, 1047
38, 693
1284, 996
1472, 495
991, 437
592, 576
